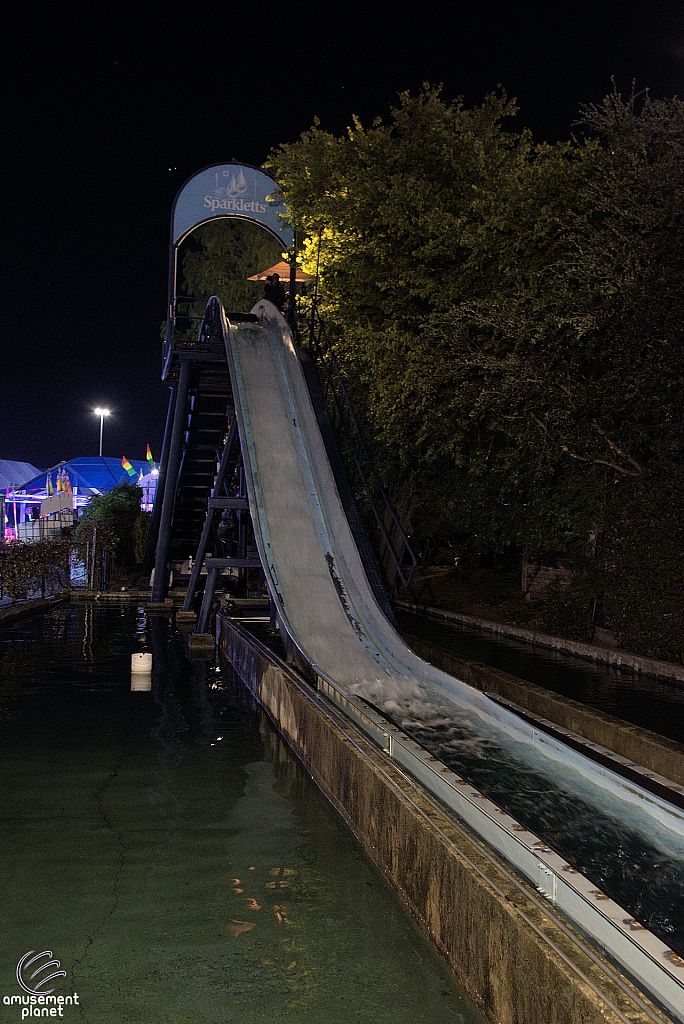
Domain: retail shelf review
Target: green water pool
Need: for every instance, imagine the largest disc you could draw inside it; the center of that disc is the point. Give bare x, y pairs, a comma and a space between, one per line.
174, 855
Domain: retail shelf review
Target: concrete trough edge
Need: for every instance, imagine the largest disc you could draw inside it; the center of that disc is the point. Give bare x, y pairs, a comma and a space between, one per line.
588, 652
11, 613
509, 948
656, 967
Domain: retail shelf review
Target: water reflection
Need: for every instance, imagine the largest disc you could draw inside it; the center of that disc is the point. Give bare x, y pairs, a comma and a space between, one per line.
140, 683
175, 856
266, 833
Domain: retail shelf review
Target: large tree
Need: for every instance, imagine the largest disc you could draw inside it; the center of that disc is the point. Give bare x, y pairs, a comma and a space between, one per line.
390, 213
510, 318
221, 256
412, 224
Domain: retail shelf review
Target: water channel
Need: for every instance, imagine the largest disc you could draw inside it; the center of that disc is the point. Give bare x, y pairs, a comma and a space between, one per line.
620, 848
617, 848
656, 704
175, 856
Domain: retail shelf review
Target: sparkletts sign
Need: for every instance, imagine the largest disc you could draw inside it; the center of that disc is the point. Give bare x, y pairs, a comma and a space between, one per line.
230, 190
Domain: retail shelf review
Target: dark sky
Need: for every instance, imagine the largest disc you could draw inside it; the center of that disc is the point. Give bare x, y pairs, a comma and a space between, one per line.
104, 117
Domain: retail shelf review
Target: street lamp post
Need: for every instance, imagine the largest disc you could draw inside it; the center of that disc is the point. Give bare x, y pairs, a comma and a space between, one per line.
101, 413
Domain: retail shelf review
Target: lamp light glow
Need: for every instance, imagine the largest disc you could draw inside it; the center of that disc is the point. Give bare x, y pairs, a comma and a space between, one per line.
101, 413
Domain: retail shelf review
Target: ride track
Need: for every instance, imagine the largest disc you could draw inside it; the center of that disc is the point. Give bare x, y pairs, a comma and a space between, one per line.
327, 608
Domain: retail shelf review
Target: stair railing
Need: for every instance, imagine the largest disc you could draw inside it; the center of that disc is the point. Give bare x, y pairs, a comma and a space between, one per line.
395, 547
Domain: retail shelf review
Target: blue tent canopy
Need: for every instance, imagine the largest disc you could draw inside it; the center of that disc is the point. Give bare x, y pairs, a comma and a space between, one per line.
91, 474
15, 474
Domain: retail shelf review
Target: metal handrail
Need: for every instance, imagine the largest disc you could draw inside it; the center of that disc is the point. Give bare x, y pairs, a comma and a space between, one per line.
347, 427
205, 336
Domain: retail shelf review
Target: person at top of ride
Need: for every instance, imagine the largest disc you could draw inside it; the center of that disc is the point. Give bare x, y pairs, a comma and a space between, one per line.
274, 291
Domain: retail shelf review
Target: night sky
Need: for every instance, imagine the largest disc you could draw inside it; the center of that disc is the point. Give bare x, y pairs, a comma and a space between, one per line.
105, 117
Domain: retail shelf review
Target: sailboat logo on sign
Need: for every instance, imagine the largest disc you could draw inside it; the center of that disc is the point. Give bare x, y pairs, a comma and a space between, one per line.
231, 197
238, 186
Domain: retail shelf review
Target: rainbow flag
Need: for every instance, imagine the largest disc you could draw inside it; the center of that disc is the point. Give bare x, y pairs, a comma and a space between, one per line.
127, 466
149, 457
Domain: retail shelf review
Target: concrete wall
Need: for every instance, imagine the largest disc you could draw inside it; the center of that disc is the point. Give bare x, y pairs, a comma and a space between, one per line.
659, 754
588, 652
11, 612
507, 946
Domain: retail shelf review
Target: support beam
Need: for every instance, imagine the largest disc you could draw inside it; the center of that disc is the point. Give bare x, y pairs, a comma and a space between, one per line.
207, 601
222, 503
153, 532
161, 581
292, 308
232, 563
243, 528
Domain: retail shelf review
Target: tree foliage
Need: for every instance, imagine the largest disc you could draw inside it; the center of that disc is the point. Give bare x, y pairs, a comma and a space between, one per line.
219, 259
115, 522
30, 569
510, 319
391, 211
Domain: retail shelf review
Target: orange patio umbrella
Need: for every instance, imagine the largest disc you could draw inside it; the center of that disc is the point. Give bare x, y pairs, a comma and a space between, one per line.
283, 271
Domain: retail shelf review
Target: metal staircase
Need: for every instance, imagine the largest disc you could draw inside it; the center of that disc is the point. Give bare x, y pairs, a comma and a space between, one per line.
208, 424
201, 475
